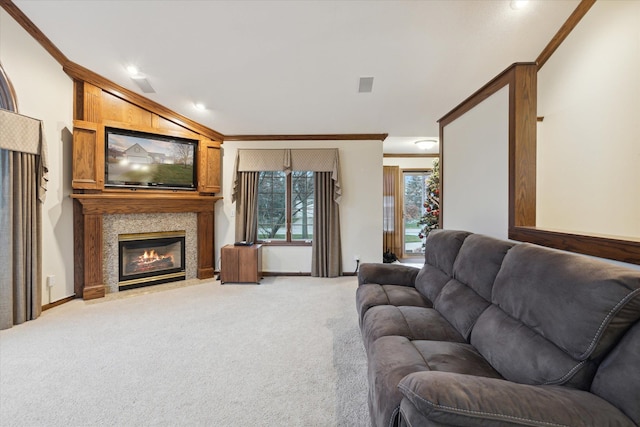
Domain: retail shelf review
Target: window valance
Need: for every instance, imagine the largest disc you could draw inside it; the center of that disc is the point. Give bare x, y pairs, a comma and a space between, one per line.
288, 160
24, 134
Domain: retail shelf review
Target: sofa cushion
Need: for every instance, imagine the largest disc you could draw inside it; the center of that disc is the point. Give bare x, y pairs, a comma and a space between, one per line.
618, 376
414, 323
474, 272
441, 250
392, 358
522, 355
550, 308
372, 295
582, 305
451, 399
479, 261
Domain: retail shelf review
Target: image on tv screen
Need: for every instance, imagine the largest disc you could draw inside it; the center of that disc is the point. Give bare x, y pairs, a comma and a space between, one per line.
151, 161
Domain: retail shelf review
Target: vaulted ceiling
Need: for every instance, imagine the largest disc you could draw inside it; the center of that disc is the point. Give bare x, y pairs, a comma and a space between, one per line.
293, 67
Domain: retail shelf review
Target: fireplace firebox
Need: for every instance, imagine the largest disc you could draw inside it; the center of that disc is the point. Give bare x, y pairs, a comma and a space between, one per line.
150, 258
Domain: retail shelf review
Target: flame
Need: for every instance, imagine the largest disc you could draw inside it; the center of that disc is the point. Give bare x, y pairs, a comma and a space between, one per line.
152, 255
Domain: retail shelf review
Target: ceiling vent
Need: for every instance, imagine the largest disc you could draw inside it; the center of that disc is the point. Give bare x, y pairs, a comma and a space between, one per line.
366, 85
143, 84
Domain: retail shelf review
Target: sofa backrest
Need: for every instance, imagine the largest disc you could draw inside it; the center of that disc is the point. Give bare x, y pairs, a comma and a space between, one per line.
440, 252
555, 315
468, 293
618, 376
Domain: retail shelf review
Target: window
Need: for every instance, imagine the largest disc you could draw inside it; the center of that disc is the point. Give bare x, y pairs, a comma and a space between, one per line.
285, 206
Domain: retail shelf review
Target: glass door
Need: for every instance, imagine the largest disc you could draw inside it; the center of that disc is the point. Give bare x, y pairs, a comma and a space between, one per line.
415, 186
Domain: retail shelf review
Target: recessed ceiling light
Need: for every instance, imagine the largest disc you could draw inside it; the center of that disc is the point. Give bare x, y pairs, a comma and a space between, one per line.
426, 144
200, 106
518, 4
132, 70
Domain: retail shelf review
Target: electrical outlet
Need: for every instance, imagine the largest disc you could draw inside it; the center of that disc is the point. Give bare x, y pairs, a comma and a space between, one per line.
51, 281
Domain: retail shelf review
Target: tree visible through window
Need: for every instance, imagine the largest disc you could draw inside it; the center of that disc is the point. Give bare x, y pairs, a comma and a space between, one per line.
285, 206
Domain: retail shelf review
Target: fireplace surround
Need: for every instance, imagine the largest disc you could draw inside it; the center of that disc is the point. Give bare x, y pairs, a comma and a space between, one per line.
89, 210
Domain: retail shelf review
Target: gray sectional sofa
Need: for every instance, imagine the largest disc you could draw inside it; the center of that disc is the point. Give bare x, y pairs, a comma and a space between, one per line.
496, 333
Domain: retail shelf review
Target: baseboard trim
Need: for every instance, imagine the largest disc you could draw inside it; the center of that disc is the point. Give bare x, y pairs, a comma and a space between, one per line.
59, 302
274, 273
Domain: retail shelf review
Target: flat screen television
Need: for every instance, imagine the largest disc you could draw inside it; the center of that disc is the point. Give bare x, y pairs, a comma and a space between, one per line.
143, 160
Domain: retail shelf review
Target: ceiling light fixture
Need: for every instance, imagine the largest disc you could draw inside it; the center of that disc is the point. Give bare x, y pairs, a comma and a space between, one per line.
426, 144
132, 70
518, 4
200, 106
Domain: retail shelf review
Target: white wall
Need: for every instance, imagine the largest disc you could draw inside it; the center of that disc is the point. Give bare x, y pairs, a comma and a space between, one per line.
475, 170
45, 92
589, 142
410, 162
360, 207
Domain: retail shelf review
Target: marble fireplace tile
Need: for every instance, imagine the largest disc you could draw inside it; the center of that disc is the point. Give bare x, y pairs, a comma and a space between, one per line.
115, 224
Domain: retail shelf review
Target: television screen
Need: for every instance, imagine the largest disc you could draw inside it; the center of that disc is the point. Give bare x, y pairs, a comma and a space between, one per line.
142, 160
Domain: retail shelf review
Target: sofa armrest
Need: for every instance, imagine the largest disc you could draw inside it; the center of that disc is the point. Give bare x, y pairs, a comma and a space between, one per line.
458, 399
387, 274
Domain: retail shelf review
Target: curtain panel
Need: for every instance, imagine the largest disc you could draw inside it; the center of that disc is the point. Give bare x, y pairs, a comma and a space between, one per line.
326, 258
392, 212
23, 179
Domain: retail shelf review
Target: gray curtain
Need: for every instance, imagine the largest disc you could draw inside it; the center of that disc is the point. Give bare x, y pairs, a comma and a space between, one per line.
23, 183
326, 253
247, 206
21, 231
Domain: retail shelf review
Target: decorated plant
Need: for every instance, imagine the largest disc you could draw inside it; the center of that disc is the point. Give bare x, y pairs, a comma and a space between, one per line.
431, 215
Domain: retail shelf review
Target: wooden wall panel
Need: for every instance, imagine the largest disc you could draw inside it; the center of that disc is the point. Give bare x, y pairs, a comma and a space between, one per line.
209, 168
160, 123
116, 109
88, 156
92, 104
206, 255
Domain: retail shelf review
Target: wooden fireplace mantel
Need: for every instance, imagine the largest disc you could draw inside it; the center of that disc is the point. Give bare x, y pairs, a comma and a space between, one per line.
88, 210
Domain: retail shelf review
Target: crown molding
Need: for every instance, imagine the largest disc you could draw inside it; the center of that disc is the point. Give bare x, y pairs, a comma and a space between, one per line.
311, 137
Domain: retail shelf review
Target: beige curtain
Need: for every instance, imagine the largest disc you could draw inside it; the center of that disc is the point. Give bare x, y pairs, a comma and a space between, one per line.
326, 251
22, 185
315, 160
392, 211
247, 206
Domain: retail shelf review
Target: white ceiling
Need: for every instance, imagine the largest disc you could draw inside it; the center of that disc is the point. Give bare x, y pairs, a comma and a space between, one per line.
292, 67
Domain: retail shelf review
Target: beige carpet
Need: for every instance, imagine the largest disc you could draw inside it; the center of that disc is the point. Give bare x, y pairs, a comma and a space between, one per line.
284, 353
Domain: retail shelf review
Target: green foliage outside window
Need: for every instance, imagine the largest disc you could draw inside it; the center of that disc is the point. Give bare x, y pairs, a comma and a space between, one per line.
272, 205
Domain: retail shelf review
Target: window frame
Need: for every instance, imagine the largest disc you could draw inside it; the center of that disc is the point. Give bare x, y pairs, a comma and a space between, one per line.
288, 212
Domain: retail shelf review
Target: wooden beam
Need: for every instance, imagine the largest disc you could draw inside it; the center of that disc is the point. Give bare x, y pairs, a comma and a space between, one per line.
34, 31
564, 31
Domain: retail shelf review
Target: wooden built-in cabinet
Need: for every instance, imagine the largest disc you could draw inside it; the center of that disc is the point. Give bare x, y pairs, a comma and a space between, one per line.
101, 104
241, 264
96, 109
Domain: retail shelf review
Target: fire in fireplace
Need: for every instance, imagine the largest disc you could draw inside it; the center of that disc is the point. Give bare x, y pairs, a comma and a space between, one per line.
150, 258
